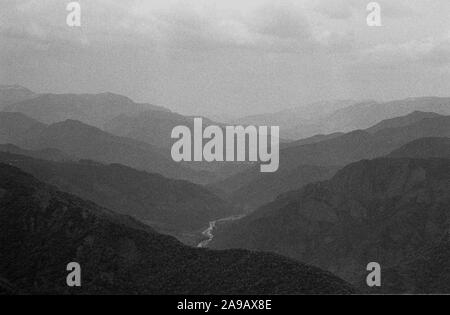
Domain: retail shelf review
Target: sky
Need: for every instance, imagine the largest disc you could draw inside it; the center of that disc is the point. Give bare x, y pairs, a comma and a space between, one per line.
231, 57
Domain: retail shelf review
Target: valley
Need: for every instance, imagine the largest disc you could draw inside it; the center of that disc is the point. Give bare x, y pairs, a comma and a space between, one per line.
338, 201
213, 225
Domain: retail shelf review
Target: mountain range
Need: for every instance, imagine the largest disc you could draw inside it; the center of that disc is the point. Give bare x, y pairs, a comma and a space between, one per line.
173, 206
91, 109
82, 141
43, 229
344, 116
387, 210
331, 154
117, 115
90, 178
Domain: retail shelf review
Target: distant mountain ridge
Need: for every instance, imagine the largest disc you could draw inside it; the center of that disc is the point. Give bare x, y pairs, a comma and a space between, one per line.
344, 116
91, 109
332, 153
10, 94
87, 142
43, 229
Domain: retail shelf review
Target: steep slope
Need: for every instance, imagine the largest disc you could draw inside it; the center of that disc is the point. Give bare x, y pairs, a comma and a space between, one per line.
151, 198
385, 210
87, 142
341, 150
92, 109
424, 148
264, 188
43, 229
10, 94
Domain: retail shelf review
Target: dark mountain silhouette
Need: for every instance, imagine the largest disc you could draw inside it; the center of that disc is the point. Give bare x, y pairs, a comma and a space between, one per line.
342, 150
176, 205
426, 273
424, 148
44, 154
87, 142
6, 288
43, 229
92, 109
384, 210
10, 94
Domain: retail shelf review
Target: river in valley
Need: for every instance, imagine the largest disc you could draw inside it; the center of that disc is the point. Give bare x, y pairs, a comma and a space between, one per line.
209, 232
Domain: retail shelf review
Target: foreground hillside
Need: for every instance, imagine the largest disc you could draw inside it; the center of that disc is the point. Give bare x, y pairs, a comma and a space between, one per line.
385, 210
43, 229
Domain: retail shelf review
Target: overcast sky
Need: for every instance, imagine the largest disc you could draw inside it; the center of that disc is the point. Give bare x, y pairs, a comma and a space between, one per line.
231, 56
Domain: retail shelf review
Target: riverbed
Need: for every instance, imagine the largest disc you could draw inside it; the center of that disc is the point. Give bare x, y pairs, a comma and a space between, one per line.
209, 232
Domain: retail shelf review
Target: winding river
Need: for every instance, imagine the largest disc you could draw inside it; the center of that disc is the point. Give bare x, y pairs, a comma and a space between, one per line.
209, 232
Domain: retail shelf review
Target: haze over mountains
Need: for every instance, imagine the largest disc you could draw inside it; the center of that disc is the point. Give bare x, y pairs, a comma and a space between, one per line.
86, 142
120, 116
42, 229
345, 116
91, 109
330, 154
328, 205
10, 94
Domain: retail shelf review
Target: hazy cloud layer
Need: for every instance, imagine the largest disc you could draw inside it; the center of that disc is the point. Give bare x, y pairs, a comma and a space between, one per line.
243, 56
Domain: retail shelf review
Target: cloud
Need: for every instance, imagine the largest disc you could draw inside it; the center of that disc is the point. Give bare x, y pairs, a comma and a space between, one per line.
431, 51
199, 52
336, 9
